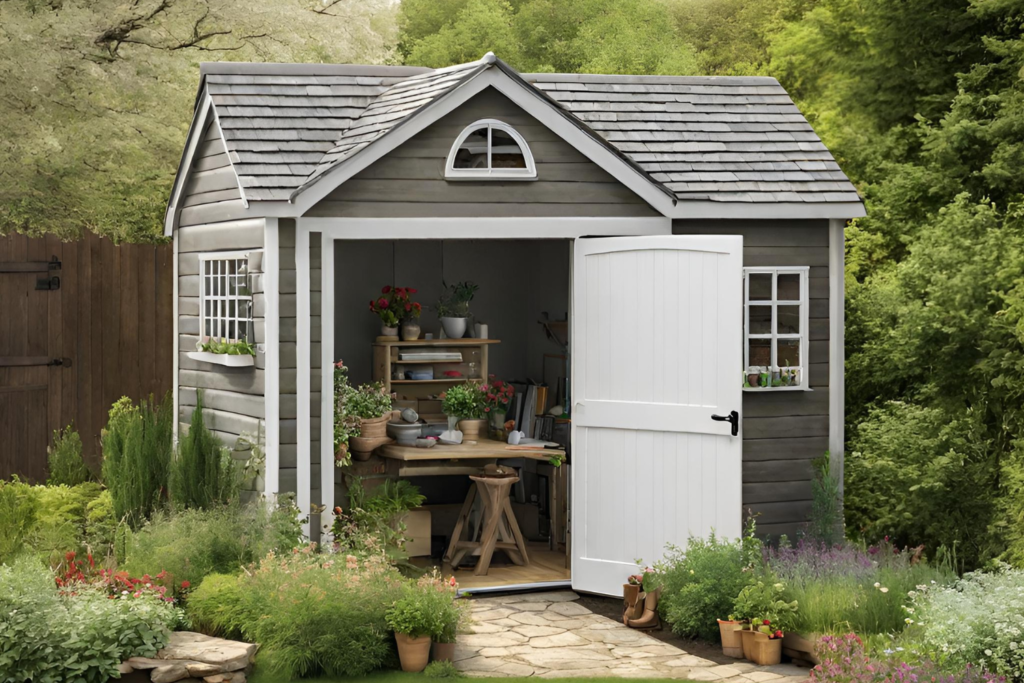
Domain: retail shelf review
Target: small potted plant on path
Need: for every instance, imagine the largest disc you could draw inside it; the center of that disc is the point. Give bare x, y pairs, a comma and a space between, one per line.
415, 623
453, 308
769, 616
452, 613
465, 403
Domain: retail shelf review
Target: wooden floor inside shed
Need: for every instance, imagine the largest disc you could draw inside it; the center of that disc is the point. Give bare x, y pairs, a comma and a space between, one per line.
545, 566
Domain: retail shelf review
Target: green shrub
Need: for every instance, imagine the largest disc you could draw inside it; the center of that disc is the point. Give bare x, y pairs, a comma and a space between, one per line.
218, 606
764, 601
374, 521
202, 474
700, 583
136, 457
190, 544
318, 614
442, 669
465, 401
66, 464
62, 523
48, 635
17, 517
369, 401
826, 523
412, 616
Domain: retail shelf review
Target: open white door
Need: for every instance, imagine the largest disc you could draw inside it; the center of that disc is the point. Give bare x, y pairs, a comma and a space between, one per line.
656, 352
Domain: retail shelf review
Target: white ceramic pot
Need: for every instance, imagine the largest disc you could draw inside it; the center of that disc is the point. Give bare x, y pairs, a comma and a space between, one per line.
386, 331
454, 328
410, 331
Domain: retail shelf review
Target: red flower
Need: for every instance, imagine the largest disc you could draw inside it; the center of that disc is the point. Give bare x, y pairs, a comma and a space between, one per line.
382, 302
385, 290
778, 634
337, 510
186, 584
408, 307
487, 410
767, 623
411, 290
417, 306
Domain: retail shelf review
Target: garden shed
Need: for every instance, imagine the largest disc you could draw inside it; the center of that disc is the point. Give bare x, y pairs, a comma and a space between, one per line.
658, 264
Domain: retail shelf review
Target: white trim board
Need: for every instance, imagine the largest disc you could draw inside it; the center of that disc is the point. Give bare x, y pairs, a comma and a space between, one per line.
195, 136
303, 489
836, 348
272, 360
484, 228
175, 383
308, 196
326, 388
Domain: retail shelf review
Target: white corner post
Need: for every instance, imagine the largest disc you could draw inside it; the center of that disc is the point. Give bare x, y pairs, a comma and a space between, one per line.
326, 386
836, 347
302, 372
176, 398
272, 360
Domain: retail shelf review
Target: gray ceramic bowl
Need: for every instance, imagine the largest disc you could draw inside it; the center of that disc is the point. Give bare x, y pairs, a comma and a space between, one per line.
404, 433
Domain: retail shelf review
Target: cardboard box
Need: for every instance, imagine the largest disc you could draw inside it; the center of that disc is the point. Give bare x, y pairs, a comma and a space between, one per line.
417, 531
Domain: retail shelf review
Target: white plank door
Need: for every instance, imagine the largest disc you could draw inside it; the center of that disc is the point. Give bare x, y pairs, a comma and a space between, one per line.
656, 351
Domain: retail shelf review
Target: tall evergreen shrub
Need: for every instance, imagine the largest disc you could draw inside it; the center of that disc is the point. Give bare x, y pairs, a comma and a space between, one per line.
202, 474
136, 457
66, 465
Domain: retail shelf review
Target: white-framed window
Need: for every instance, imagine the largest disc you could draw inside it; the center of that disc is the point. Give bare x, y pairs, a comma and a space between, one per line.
225, 301
775, 333
490, 149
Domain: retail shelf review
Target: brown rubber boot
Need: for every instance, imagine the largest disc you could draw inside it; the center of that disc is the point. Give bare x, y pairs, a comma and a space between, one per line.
649, 619
632, 602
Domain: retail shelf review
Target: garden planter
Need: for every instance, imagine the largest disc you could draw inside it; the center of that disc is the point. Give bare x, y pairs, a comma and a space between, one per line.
800, 647
732, 640
389, 333
471, 429
374, 428
414, 653
765, 651
454, 328
362, 447
443, 652
226, 359
410, 331
747, 644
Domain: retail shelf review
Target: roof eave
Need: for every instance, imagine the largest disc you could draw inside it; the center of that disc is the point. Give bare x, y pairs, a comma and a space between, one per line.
691, 209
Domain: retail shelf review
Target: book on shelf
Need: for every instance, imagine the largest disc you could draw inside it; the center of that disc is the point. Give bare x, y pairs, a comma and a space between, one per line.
430, 355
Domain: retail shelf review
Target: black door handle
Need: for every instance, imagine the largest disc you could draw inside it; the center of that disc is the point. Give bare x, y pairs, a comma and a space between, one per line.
733, 418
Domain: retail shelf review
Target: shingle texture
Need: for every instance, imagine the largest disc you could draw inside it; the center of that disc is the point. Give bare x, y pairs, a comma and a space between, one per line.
729, 139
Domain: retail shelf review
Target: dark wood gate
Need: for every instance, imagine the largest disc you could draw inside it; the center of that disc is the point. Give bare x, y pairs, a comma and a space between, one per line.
81, 324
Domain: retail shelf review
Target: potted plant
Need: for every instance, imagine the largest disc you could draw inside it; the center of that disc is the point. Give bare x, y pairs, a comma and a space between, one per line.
465, 403
453, 308
410, 315
231, 353
452, 614
497, 396
346, 426
762, 604
388, 307
414, 622
732, 637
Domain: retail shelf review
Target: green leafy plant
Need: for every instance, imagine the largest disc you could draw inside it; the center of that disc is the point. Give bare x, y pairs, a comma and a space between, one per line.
442, 669
346, 425
465, 401
192, 543
763, 603
373, 523
412, 615
369, 401
826, 524
136, 457
66, 464
202, 474
218, 607
440, 596
700, 583
17, 517
454, 300
240, 347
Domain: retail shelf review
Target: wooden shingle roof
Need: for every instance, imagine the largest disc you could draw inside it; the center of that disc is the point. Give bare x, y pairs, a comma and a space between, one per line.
723, 139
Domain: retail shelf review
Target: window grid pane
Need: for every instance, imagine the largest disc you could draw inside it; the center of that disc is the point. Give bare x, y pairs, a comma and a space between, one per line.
775, 309
226, 302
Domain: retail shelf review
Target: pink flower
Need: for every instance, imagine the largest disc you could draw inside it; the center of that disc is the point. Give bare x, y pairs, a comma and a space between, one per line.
386, 289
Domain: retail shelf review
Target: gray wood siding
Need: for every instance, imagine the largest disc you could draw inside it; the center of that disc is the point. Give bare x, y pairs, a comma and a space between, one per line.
783, 431
286, 308
409, 180
232, 397
211, 191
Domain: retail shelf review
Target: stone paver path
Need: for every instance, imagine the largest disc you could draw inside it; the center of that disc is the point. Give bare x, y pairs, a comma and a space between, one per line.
550, 635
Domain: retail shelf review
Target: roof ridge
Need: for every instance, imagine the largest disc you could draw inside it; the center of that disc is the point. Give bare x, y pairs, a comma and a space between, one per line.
307, 69
638, 78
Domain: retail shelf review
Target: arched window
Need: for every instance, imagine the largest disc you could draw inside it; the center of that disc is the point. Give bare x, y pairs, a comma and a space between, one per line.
490, 149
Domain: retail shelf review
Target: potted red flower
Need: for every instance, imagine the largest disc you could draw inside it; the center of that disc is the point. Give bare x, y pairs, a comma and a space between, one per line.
766, 647
496, 397
391, 308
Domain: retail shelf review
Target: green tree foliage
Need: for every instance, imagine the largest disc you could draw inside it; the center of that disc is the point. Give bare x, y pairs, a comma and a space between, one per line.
97, 95
136, 457
202, 473
66, 465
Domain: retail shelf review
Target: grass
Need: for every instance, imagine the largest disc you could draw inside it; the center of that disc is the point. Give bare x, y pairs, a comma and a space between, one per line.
402, 677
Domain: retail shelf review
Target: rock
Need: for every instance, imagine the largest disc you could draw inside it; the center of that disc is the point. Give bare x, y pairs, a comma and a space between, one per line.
229, 655
169, 673
537, 631
143, 663
689, 660
568, 609
566, 639
410, 415
202, 669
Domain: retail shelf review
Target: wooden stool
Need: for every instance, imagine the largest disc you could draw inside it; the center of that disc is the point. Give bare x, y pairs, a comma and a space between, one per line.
500, 530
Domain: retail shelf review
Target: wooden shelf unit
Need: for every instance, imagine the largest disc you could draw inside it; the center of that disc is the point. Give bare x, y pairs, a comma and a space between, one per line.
473, 365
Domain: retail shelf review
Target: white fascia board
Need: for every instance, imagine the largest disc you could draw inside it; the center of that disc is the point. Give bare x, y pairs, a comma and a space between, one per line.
272, 358
195, 134
303, 488
432, 228
837, 349
766, 210
327, 466
530, 102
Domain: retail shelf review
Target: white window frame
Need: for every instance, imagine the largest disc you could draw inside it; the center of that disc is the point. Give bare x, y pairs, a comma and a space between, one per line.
774, 335
528, 173
220, 327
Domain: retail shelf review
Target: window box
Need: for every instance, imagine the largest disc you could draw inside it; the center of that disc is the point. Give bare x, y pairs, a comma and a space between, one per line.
225, 359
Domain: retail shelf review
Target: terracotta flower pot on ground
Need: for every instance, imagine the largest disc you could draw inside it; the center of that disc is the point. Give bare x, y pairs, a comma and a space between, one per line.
765, 651
732, 640
747, 644
414, 653
374, 427
443, 652
801, 647
471, 429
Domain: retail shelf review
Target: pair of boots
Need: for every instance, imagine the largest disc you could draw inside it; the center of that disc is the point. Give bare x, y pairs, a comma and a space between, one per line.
640, 609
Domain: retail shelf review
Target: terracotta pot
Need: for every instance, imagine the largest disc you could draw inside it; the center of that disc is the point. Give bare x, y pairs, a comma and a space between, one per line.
374, 427
410, 331
766, 651
414, 653
801, 647
732, 640
747, 644
471, 428
443, 652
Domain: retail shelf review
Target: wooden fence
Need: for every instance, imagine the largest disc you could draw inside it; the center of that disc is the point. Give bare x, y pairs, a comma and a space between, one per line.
81, 324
